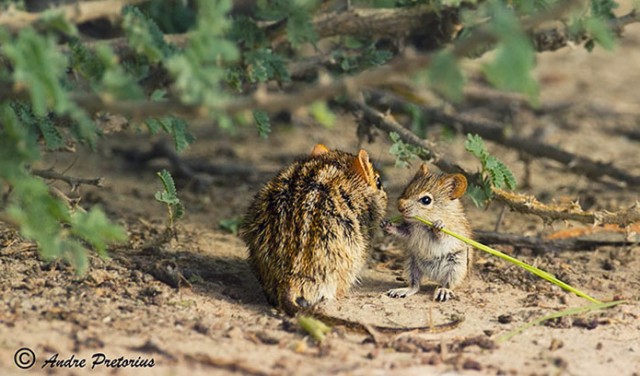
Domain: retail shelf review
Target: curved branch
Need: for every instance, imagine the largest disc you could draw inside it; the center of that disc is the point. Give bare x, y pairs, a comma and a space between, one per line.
73, 182
77, 13
530, 205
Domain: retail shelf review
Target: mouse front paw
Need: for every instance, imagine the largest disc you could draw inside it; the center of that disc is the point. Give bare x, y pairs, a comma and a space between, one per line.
438, 225
387, 226
443, 294
402, 292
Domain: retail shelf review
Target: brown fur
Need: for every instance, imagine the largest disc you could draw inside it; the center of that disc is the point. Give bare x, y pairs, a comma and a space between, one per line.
440, 257
309, 229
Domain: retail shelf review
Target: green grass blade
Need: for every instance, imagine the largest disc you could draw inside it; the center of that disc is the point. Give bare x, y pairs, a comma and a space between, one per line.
532, 269
555, 315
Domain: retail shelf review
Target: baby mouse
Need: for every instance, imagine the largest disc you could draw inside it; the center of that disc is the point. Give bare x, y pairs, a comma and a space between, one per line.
434, 196
309, 229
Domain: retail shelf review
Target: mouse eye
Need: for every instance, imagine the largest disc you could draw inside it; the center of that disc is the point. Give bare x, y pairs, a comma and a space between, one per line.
425, 200
378, 182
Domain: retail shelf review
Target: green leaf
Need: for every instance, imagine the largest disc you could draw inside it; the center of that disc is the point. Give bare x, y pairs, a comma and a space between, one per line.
404, 152
262, 122
84, 61
144, 36
175, 126
37, 66
322, 114
95, 228
54, 19
494, 172
153, 124
17, 147
446, 77
52, 137
263, 65
182, 138
245, 31
478, 195
158, 95
43, 126
475, 145
299, 22
168, 183
199, 71
508, 179
316, 328
369, 56
600, 32
231, 224
603, 9
169, 196
514, 57
38, 214
116, 82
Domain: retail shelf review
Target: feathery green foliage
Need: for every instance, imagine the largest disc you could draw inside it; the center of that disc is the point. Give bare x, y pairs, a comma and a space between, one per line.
494, 172
169, 197
446, 77
404, 152
514, 57
59, 231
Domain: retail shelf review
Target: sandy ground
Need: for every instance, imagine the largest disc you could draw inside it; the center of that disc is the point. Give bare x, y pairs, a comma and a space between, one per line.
219, 322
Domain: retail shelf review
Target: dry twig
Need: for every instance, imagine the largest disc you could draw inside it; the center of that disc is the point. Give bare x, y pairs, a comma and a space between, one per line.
530, 205
73, 182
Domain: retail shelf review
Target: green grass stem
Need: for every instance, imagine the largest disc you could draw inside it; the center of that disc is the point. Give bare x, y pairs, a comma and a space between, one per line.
532, 269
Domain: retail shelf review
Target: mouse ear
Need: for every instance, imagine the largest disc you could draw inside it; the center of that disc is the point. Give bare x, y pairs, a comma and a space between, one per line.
319, 149
424, 169
362, 167
458, 185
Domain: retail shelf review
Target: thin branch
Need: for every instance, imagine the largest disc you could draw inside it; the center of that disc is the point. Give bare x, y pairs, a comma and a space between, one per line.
442, 22
530, 205
386, 123
77, 13
73, 182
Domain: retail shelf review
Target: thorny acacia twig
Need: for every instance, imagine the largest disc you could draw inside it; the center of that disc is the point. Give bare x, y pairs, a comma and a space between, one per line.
73, 182
530, 205
77, 13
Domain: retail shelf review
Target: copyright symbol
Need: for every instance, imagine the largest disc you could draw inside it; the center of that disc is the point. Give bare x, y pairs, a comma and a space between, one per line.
24, 358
